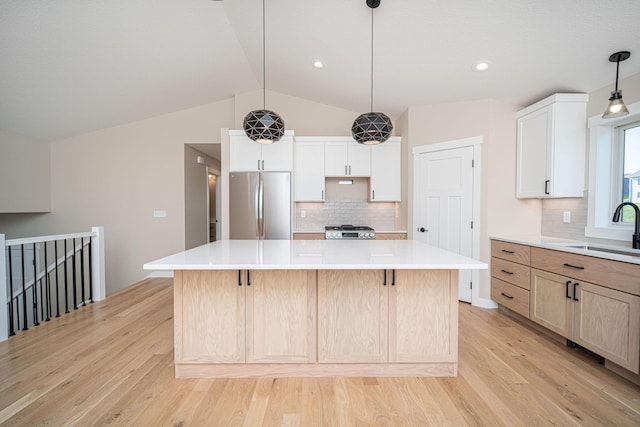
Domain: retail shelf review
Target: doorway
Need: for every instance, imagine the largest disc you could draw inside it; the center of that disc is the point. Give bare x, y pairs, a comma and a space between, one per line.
446, 189
214, 205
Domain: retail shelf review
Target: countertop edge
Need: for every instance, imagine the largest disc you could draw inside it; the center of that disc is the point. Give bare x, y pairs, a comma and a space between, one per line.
564, 245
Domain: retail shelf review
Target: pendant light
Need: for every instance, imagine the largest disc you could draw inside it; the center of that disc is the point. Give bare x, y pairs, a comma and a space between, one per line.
263, 126
372, 128
616, 106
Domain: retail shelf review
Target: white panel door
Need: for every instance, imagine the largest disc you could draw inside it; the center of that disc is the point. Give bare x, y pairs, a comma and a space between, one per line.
443, 201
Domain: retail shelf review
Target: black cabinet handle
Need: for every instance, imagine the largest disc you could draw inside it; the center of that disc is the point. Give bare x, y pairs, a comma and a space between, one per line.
566, 289
393, 277
239, 278
507, 252
507, 272
506, 295
577, 267
546, 187
384, 278
575, 285
248, 278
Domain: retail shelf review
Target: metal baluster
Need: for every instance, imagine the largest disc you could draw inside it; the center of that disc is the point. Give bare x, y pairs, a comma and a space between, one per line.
47, 284
24, 294
75, 273
35, 288
66, 290
90, 271
55, 247
84, 301
12, 330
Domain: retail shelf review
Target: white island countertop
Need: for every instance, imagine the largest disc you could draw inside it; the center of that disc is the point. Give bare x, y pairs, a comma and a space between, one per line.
315, 255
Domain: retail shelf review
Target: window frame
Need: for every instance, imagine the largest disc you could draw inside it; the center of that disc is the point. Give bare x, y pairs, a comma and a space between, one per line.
605, 185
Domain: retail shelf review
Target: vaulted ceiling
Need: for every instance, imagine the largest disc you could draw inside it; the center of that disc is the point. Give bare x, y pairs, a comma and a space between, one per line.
73, 66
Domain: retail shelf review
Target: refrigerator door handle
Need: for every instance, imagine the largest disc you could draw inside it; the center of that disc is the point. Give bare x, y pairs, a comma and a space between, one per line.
261, 208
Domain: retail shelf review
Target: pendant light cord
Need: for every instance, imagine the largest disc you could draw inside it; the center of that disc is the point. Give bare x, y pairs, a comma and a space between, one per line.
371, 60
264, 60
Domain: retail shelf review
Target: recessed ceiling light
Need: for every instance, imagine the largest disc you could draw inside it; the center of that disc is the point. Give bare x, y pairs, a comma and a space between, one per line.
481, 65
318, 64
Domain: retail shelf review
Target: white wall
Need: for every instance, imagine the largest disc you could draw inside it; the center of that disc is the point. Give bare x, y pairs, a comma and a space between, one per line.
501, 212
25, 183
117, 177
305, 118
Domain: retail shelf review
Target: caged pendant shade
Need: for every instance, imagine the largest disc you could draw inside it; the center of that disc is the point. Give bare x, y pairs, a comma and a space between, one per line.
616, 107
373, 127
263, 126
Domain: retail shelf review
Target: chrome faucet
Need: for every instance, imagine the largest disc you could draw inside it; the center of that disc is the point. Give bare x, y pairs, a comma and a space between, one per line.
635, 241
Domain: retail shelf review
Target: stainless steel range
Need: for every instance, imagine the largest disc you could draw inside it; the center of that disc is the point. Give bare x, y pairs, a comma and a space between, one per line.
349, 232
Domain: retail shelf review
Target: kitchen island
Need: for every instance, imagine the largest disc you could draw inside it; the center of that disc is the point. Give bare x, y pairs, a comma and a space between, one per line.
315, 308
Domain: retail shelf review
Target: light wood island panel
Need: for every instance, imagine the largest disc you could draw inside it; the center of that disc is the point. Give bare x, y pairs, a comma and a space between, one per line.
265, 323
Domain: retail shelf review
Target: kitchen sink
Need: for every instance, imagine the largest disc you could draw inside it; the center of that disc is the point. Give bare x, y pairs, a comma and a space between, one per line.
630, 252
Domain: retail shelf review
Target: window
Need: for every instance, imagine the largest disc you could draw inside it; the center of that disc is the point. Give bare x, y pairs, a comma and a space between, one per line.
629, 145
614, 173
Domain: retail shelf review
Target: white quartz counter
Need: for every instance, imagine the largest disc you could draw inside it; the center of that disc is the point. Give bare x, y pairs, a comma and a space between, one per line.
315, 255
612, 252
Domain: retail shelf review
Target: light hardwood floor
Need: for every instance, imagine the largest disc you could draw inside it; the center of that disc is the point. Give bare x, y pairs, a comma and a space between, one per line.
112, 364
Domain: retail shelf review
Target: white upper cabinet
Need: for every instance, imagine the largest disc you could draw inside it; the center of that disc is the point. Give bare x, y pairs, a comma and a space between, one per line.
551, 138
308, 170
246, 155
385, 171
345, 157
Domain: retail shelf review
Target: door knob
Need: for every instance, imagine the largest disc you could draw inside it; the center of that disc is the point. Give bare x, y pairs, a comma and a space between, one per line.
422, 229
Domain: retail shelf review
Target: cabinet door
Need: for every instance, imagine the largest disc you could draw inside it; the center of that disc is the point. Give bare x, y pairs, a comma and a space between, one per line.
278, 157
551, 301
335, 159
209, 317
308, 172
534, 142
281, 316
245, 155
385, 172
352, 316
359, 159
423, 316
607, 322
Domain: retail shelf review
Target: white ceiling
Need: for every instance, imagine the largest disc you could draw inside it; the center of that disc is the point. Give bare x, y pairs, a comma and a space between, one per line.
73, 66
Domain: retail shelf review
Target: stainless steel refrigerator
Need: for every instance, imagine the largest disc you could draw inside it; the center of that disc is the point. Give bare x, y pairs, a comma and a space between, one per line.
260, 205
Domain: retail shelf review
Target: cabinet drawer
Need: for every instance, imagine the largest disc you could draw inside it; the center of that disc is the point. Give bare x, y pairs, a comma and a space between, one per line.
516, 274
510, 251
621, 276
510, 296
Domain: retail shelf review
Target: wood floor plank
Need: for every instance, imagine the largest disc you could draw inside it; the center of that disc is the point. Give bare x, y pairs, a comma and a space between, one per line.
111, 363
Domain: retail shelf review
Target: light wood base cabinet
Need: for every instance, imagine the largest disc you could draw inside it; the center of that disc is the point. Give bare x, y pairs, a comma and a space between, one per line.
607, 322
316, 323
423, 316
281, 315
352, 316
239, 316
551, 302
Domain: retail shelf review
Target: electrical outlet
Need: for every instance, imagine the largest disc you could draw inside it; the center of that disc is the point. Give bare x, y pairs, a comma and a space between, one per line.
159, 214
566, 217
303, 214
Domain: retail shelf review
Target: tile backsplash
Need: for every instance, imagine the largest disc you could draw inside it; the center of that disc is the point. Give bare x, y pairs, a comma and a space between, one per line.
552, 217
380, 215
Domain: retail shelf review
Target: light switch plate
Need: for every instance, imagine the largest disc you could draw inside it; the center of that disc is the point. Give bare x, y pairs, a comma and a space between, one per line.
566, 217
